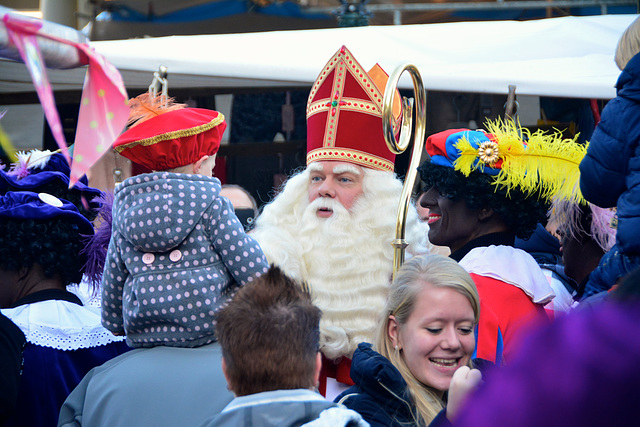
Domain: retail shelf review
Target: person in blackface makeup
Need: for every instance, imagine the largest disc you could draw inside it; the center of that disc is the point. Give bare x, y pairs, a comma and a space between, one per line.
42, 239
586, 235
425, 336
478, 197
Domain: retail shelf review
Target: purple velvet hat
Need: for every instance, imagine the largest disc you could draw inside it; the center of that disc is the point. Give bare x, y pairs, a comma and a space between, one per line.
26, 205
43, 171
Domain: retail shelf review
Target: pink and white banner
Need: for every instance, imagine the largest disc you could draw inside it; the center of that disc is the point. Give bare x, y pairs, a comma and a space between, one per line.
103, 107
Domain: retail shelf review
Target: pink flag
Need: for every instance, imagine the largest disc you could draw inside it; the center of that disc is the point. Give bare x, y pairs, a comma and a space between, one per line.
22, 32
103, 108
103, 113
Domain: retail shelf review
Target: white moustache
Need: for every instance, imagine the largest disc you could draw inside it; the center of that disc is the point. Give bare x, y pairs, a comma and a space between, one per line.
339, 219
327, 203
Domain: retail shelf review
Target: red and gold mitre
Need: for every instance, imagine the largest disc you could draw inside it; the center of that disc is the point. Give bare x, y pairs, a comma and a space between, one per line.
344, 114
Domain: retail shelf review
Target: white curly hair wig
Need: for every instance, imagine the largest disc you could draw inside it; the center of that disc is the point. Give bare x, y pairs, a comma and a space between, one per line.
347, 260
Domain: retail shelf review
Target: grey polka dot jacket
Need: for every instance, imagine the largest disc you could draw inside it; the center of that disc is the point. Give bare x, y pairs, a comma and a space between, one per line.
177, 254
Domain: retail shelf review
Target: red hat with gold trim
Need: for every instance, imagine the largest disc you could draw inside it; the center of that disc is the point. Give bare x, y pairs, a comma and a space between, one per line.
166, 138
344, 114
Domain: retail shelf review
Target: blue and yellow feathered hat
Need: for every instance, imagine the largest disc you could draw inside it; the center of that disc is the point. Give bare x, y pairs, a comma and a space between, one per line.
542, 163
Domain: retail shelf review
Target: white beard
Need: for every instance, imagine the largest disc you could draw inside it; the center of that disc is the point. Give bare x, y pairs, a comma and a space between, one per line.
346, 259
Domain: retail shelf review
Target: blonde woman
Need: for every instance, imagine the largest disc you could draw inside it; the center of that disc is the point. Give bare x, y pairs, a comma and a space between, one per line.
425, 335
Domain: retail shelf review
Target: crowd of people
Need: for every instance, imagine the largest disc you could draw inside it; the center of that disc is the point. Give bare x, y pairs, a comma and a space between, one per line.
176, 301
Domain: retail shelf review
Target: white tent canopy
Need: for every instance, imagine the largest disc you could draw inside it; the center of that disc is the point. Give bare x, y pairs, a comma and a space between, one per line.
564, 57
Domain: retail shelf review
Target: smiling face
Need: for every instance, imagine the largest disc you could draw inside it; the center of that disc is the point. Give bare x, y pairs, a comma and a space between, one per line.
339, 181
438, 336
451, 223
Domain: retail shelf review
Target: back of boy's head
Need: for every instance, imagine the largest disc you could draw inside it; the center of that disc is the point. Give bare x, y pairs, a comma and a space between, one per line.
269, 334
629, 44
166, 136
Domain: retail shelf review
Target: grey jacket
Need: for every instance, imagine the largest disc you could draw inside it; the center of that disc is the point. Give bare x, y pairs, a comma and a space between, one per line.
177, 254
154, 387
285, 408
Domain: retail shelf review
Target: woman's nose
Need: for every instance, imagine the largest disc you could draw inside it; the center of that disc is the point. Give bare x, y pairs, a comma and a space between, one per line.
450, 339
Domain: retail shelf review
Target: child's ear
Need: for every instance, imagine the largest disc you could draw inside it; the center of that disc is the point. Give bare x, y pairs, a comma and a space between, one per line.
198, 164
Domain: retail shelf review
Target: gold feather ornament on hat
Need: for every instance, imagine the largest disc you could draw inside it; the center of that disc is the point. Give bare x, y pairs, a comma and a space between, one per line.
532, 162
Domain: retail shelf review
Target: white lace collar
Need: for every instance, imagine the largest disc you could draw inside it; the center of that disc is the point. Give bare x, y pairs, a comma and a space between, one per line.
61, 325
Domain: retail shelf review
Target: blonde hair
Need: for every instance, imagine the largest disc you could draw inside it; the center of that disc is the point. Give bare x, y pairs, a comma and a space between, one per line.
628, 45
435, 270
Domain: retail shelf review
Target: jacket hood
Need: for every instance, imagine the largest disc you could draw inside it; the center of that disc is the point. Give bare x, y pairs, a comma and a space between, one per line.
372, 371
380, 392
628, 84
542, 245
155, 212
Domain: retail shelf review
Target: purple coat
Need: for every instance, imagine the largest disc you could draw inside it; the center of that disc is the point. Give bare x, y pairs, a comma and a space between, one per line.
582, 370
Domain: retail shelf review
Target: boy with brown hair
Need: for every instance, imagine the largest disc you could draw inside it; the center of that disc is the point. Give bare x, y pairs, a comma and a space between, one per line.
269, 334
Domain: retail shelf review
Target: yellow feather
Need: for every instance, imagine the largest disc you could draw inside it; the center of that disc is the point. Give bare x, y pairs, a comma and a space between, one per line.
547, 164
468, 155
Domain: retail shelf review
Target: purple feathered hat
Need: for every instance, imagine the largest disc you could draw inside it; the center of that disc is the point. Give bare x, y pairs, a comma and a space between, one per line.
25, 205
46, 171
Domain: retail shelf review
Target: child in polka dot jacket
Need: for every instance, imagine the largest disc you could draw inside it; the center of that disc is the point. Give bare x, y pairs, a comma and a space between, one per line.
177, 251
